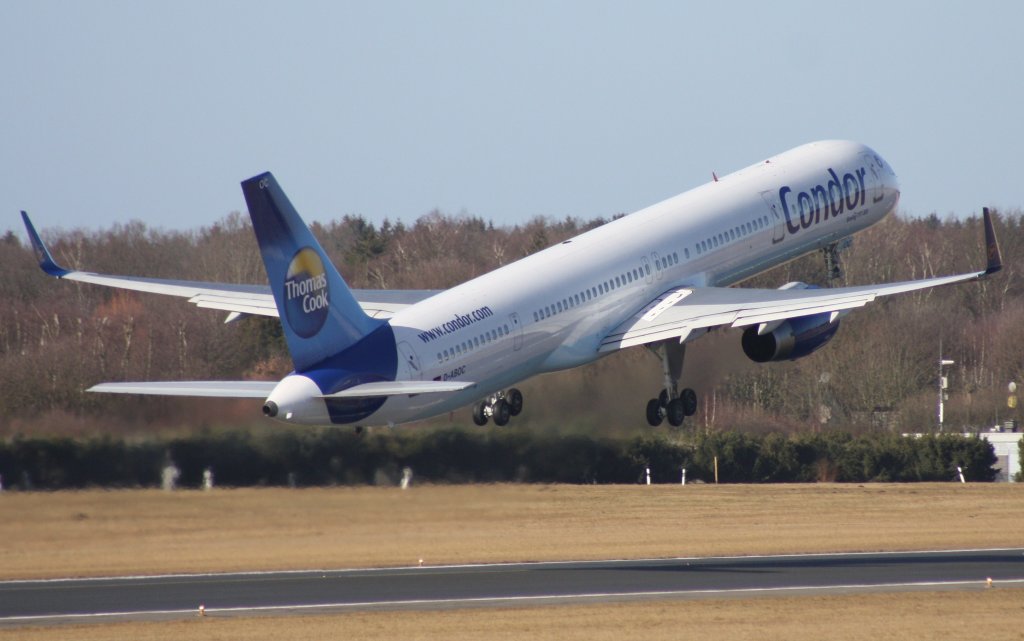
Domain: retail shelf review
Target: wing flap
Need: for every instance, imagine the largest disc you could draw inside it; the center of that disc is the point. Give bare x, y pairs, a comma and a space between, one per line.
263, 306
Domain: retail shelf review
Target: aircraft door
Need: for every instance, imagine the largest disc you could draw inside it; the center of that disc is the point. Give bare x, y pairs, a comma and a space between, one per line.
516, 329
778, 224
659, 268
648, 272
411, 360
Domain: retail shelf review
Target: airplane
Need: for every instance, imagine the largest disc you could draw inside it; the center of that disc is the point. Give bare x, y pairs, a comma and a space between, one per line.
660, 277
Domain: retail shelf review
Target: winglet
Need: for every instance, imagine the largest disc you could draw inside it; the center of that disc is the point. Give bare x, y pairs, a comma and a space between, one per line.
46, 261
995, 257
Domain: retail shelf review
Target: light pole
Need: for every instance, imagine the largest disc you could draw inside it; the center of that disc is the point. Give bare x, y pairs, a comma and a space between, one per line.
943, 384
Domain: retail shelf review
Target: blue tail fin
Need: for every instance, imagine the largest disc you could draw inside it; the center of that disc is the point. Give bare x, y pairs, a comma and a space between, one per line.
319, 314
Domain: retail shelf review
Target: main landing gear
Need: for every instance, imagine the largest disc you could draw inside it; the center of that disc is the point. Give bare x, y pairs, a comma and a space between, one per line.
670, 404
501, 406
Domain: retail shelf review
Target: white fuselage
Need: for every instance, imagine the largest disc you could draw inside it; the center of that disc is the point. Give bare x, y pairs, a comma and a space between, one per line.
550, 311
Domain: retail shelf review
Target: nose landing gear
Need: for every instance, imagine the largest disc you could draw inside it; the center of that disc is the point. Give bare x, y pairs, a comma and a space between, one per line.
833, 265
501, 406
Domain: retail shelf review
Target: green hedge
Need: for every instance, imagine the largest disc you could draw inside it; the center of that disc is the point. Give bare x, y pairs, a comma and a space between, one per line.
1019, 476
332, 457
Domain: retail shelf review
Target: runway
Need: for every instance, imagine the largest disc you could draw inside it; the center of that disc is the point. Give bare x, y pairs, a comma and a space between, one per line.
175, 596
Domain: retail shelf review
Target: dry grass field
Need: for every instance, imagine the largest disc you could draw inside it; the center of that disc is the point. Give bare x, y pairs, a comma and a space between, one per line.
980, 615
94, 533
134, 532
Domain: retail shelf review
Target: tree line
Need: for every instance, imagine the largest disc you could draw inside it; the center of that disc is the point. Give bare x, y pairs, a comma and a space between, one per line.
878, 374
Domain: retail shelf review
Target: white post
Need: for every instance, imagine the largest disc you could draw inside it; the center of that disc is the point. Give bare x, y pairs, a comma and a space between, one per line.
684, 476
943, 384
406, 477
648, 476
961, 473
169, 478
208, 479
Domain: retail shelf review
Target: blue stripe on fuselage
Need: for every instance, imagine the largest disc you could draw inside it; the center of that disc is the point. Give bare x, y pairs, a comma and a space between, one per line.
371, 359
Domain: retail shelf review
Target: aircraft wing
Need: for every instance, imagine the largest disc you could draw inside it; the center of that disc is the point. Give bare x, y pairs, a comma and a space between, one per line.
680, 311
239, 300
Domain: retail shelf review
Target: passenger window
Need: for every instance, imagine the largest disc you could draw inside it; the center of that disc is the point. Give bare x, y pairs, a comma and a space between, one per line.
559, 306
687, 252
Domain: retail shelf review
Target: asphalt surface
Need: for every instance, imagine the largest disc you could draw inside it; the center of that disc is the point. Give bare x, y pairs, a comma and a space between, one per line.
176, 596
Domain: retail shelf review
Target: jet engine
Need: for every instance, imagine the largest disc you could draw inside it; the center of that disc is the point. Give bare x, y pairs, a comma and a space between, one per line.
792, 338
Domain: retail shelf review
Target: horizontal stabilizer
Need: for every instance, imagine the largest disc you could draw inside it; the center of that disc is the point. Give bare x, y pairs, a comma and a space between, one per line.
398, 388
219, 389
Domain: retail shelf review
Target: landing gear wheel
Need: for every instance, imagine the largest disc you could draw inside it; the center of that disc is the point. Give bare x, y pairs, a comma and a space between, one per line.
663, 398
654, 416
502, 413
479, 417
675, 412
514, 398
689, 399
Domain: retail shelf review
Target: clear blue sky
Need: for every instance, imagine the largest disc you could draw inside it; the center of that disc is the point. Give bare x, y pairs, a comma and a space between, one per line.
155, 111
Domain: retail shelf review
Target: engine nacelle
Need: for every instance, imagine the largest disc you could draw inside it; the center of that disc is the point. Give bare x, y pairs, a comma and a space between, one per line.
793, 339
